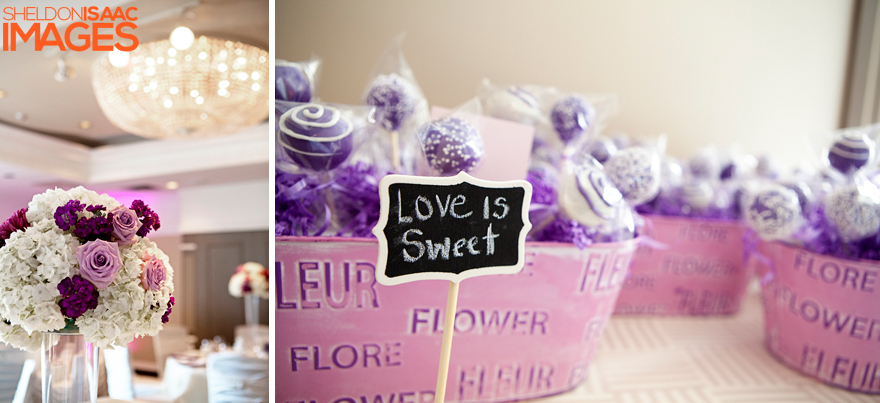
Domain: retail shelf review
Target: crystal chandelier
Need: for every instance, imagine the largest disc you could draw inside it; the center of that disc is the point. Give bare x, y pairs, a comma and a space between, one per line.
210, 87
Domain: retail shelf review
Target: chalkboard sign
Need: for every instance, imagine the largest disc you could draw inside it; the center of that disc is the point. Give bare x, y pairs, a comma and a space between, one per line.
450, 228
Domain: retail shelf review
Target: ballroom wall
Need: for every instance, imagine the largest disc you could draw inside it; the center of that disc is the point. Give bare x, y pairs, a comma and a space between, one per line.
760, 74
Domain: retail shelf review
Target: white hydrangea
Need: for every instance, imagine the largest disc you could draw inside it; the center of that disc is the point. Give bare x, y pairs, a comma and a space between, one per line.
34, 261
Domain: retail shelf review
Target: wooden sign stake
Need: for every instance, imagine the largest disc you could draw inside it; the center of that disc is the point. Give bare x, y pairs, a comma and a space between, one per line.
446, 347
395, 150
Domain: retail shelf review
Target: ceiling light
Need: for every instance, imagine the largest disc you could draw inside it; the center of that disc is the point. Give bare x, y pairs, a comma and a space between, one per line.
2, 94
183, 98
171, 185
118, 58
20, 116
85, 124
182, 38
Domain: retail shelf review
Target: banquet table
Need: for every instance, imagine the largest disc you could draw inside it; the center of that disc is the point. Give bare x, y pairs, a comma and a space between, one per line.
715, 359
185, 379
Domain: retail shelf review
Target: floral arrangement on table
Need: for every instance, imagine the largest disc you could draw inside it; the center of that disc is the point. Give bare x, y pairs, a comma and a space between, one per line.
250, 279
76, 261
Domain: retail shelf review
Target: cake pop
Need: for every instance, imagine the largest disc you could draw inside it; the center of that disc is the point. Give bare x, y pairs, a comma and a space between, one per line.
396, 97
513, 103
572, 117
602, 149
799, 187
292, 82
698, 194
636, 173
773, 212
854, 211
851, 151
704, 165
315, 136
451, 145
588, 196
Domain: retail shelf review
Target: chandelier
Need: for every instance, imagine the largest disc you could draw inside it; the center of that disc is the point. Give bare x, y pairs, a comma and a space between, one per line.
205, 87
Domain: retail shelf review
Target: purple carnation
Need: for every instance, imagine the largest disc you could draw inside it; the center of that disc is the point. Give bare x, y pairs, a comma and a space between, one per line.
78, 295
66, 216
86, 228
94, 228
168, 311
149, 219
17, 222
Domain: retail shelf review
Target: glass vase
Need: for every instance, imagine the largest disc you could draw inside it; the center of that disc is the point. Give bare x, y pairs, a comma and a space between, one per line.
251, 309
69, 367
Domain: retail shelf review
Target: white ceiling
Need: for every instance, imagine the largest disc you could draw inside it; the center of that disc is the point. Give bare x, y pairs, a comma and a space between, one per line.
48, 148
49, 106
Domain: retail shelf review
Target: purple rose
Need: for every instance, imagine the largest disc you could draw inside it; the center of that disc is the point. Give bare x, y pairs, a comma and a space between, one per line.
99, 262
152, 274
125, 225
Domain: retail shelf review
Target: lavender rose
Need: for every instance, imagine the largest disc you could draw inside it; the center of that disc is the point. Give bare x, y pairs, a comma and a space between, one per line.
125, 225
99, 262
152, 274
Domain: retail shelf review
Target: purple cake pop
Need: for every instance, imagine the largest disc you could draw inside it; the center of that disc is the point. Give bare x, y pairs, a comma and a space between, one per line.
315, 136
588, 196
774, 212
636, 173
451, 145
802, 190
396, 97
572, 117
854, 211
602, 149
292, 83
851, 151
704, 165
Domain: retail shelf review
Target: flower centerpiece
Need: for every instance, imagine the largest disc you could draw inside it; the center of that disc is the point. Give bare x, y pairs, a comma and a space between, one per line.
250, 282
79, 262
249, 279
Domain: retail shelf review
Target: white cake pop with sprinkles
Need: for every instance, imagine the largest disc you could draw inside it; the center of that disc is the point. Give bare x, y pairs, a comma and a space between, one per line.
854, 211
636, 173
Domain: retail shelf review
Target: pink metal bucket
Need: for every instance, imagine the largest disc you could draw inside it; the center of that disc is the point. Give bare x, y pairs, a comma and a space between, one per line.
694, 267
822, 315
341, 337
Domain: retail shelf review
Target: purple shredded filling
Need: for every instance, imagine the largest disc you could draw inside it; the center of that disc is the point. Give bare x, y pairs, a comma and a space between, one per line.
671, 203
821, 237
562, 229
302, 210
356, 196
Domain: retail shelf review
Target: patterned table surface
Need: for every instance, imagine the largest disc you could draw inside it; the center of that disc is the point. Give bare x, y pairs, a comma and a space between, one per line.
696, 360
